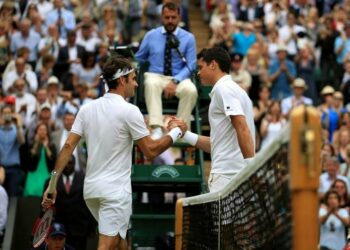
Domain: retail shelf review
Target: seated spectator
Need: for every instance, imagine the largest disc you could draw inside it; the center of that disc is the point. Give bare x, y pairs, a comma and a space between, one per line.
32, 13
53, 96
331, 165
87, 39
341, 188
11, 138
82, 91
168, 75
296, 99
272, 43
338, 102
11, 65
341, 145
42, 157
242, 41
251, 10
238, 73
49, 44
343, 124
334, 221
271, 124
56, 239
281, 73
44, 74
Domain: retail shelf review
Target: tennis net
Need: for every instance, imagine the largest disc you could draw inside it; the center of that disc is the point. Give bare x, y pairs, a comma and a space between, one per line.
252, 212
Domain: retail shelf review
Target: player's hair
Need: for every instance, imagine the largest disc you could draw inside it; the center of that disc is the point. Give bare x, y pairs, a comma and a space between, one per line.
218, 55
112, 65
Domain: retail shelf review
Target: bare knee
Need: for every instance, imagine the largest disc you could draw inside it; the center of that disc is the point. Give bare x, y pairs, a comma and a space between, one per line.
109, 242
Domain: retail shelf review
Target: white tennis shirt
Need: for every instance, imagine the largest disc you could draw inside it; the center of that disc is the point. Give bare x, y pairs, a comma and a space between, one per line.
109, 126
228, 99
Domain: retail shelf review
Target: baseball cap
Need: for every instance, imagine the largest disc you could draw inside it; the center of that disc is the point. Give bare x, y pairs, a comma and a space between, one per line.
57, 229
236, 57
45, 105
281, 47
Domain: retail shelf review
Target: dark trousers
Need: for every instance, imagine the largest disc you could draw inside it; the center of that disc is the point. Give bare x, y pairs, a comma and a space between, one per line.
13, 179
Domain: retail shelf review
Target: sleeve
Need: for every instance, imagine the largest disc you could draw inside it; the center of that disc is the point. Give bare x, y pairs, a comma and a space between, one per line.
191, 58
142, 53
337, 44
322, 212
343, 213
136, 124
231, 102
78, 125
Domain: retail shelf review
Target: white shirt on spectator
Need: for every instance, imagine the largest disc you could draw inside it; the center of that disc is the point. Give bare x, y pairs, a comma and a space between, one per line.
290, 102
3, 208
284, 34
90, 44
326, 182
12, 76
28, 100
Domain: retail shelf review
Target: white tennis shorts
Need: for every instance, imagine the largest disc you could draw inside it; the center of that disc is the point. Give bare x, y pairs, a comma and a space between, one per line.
217, 182
112, 213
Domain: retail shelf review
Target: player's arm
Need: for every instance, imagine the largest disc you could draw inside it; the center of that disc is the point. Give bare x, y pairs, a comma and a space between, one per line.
245, 139
152, 148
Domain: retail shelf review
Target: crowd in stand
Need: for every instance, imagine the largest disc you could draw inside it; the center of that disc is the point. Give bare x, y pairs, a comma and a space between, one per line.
283, 53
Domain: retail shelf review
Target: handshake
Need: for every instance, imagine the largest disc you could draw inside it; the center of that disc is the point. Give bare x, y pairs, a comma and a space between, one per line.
173, 122
177, 128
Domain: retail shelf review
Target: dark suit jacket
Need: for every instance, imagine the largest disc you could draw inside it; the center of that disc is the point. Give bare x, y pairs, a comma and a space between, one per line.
82, 153
62, 66
71, 209
259, 13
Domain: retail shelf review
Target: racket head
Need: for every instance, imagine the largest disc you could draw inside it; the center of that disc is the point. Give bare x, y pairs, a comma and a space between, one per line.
42, 227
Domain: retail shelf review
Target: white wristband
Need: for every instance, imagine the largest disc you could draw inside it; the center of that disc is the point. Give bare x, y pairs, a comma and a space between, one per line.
175, 133
191, 138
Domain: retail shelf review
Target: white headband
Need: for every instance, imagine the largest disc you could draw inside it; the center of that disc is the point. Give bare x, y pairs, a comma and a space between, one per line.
119, 73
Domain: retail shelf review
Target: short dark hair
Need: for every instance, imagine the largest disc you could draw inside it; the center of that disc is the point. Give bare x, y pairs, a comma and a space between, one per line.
171, 6
217, 54
112, 65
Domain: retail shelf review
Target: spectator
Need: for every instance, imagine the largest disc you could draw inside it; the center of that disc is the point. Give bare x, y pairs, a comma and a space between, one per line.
88, 71
49, 44
87, 40
296, 99
345, 85
333, 220
251, 10
60, 136
331, 165
338, 102
20, 72
44, 74
272, 43
243, 40
109, 23
275, 14
25, 102
68, 58
4, 44
3, 204
240, 75
281, 73
341, 147
62, 17
53, 96
82, 90
42, 159
28, 38
11, 65
56, 239
341, 50
11, 138
340, 186
167, 72
343, 124
329, 117
32, 13
85, 6
271, 124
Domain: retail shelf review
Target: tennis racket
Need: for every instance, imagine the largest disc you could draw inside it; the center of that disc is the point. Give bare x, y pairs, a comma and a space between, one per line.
42, 225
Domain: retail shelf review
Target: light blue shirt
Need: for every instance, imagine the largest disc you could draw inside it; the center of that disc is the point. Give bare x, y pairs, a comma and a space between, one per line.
68, 17
9, 147
152, 50
345, 50
31, 42
241, 42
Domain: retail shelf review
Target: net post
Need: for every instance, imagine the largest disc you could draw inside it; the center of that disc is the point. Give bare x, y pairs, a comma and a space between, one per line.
305, 169
178, 224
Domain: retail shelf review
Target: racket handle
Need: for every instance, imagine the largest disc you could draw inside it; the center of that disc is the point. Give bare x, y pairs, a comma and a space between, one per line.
52, 183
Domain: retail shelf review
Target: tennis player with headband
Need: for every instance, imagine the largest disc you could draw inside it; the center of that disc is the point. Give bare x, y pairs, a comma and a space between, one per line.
110, 125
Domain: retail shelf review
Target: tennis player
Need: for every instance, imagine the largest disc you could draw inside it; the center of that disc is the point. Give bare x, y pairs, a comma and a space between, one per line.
232, 130
110, 125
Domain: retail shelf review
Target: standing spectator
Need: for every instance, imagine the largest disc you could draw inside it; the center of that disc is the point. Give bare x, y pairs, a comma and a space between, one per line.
333, 220
251, 10
82, 90
281, 73
325, 41
305, 62
340, 186
341, 50
42, 156
341, 148
271, 124
272, 43
345, 85
49, 44
62, 17
11, 65
11, 138
20, 72
53, 96
329, 117
289, 35
45, 72
243, 40
167, 72
296, 99
28, 38
68, 58
87, 40
60, 136
71, 208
